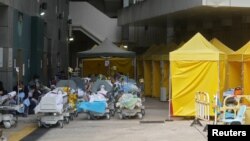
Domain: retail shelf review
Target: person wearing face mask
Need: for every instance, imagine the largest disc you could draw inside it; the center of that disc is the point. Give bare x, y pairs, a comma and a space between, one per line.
3, 92
33, 95
22, 91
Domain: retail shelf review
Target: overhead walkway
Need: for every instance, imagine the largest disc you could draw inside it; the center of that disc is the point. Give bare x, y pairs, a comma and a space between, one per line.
153, 11
92, 22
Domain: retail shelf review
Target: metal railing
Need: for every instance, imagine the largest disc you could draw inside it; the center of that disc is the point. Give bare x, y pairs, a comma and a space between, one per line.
202, 108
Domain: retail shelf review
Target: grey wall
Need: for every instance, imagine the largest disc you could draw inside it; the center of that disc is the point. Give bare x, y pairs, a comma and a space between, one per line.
29, 7
228, 20
231, 3
153, 8
145, 36
56, 47
234, 33
142, 13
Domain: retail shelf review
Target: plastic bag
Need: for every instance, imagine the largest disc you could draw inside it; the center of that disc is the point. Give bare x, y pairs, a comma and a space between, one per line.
26, 102
21, 95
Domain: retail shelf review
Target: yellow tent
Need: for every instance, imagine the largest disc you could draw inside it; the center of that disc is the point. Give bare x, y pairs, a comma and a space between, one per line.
222, 47
196, 66
106, 50
152, 50
181, 44
147, 66
93, 66
239, 63
156, 79
97, 66
161, 68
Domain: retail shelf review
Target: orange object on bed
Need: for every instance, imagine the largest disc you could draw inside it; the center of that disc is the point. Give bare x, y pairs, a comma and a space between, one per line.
238, 91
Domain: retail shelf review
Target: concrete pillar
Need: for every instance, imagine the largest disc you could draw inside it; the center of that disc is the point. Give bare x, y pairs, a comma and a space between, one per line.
6, 62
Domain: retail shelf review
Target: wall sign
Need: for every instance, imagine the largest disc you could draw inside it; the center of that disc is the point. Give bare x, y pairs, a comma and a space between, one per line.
106, 63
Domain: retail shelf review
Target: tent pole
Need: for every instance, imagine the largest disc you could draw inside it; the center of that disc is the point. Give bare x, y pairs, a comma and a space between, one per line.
217, 94
151, 78
144, 66
219, 76
109, 69
242, 76
215, 111
227, 75
162, 74
81, 67
77, 62
169, 94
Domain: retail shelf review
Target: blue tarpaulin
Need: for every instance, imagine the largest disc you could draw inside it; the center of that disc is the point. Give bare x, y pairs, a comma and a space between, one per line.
96, 106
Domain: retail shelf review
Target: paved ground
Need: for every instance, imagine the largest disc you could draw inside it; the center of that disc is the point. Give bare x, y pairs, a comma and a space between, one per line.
153, 127
25, 126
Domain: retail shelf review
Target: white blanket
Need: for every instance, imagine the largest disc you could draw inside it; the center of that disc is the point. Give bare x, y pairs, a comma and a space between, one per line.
96, 97
53, 101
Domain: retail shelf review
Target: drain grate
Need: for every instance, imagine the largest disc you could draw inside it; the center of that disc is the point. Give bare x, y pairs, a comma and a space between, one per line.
152, 121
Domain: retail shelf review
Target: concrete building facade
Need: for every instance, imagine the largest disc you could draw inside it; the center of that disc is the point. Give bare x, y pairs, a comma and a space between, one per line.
39, 44
227, 20
36, 44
